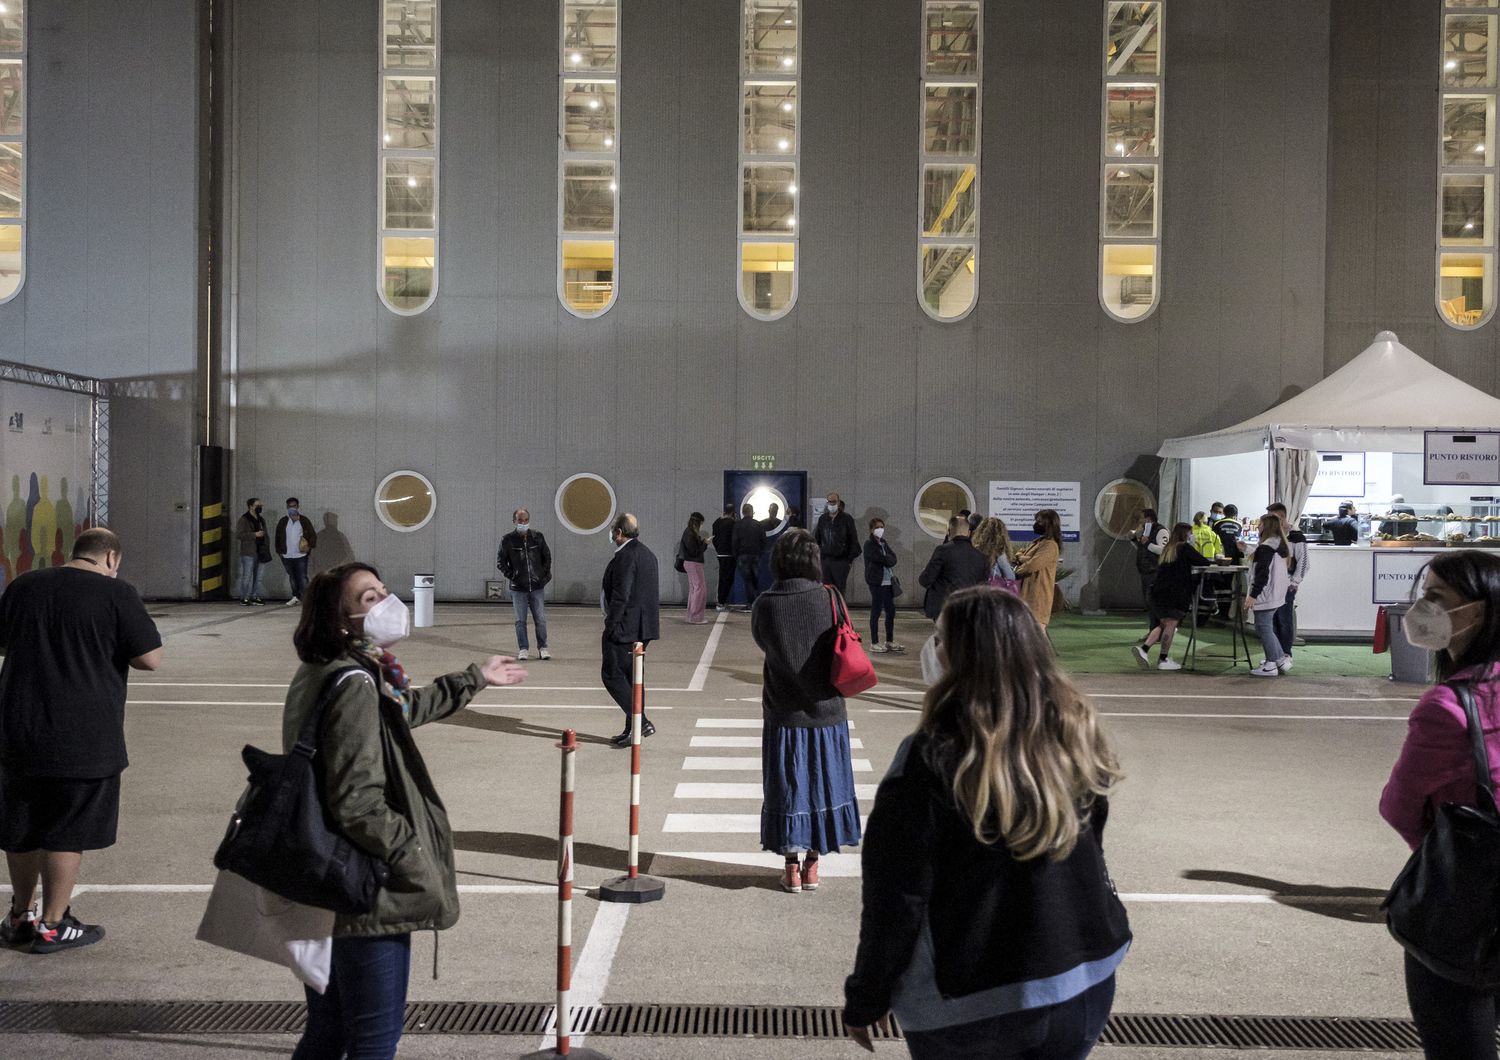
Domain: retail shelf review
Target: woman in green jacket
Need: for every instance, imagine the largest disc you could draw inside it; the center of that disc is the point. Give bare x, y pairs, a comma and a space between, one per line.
376, 787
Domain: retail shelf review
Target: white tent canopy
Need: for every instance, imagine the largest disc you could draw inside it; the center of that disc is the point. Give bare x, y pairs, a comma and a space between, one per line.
1382, 401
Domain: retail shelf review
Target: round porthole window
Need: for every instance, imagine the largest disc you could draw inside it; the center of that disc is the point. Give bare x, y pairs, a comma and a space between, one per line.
405, 501
761, 498
585, 503
939, 500
1119, 505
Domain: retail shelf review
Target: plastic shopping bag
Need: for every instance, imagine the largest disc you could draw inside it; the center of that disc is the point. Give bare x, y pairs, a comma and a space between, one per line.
248, 919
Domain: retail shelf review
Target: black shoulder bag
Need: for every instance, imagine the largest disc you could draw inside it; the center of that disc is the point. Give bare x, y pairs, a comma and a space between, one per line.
1445, 905
281, 837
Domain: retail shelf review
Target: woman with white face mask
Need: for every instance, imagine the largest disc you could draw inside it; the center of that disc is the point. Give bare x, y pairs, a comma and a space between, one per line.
1458, 617
880, 578
377, 790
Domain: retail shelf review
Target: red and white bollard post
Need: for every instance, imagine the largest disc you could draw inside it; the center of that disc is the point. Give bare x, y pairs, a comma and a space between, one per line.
633, 887
564, 1021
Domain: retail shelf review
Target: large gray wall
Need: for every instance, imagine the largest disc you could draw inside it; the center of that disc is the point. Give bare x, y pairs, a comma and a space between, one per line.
111, 256
498, 394
1382, 195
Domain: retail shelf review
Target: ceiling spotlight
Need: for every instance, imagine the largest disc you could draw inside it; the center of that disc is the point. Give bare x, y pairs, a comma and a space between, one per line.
1479, 149
575, 58
792, 188
784, 22
790, 221
387, 137
411, 182
787, 106
609, 141
1451, 64
1468, 226
1120, 148
787, 61
593, 104
613, 186
783, 144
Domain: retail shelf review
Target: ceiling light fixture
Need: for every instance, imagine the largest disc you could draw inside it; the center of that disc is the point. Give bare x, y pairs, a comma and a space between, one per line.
1451, 64
593, 104
1479, 148
387, 137
613, 186
792, 188
609, 141
411, 182
787, 106
787, 61
1468, 226
783, 144
575, 58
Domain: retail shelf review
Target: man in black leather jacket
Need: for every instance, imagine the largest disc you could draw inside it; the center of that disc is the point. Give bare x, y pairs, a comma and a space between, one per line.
526, 562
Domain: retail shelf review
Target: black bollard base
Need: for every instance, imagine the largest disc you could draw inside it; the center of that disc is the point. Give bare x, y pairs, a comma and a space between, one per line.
575, 1053
635, 891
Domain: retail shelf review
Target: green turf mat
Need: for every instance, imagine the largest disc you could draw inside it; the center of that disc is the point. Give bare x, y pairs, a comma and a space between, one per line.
1100, 644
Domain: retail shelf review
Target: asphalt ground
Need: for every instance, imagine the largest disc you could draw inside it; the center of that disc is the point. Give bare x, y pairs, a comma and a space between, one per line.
1244, 839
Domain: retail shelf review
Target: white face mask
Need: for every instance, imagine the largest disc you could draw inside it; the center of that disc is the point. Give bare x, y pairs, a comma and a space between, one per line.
1429, 625
932, 666
387, 622
879, 531
523, 527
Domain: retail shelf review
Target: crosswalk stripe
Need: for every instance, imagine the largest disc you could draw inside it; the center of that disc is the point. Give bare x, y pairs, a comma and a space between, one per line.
736, 723
718, 823
746, 791
861, 765
829, 865
748, 741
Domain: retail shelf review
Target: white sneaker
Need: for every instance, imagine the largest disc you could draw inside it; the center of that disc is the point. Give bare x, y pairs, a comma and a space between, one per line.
879, 649
1266, 669
522, 655
1168, 664
544, 654
892, 646
1141, 658
293, 602
1284, 663
720, 607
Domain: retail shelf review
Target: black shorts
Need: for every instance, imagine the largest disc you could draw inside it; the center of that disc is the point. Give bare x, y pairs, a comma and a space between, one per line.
1171, 613
57, 813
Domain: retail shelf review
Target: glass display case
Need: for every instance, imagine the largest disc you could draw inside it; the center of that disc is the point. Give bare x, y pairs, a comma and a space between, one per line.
1413, 525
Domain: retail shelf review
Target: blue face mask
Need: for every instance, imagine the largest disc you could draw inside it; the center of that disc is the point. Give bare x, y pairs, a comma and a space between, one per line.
292, 513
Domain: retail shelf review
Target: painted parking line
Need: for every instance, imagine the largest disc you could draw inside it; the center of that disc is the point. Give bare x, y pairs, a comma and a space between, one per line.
690, 790
692, 762
829, 865
737, 723
706, 660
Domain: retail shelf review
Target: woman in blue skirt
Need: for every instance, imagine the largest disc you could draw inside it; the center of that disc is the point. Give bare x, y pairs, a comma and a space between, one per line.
809, 806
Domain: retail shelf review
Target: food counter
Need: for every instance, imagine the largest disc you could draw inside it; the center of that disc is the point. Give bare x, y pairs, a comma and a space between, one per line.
1336, 596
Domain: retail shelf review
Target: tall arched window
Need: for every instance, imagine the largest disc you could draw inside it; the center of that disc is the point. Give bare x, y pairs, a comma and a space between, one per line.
948, 226
1131, 159
770, 146
12, 147
588, 157
407, 268
1466, 165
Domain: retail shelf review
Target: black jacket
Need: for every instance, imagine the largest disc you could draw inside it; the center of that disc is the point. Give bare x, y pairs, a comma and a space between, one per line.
307, 532
878, 557
994, 921
954, 565
838, 538
525, 560
723, 532
1229, 531
1344, 529
1147, 561
749, 537
792, 622
693, 547
1173, 589
632, 597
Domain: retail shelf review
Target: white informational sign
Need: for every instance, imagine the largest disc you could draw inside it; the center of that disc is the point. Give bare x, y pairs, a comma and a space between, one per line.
1395, 575
1340, 475
1451, 459
1018, 502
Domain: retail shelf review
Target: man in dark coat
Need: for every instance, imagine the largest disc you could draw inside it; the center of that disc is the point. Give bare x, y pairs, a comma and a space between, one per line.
748, 541
838, 543
723, 532
955, 564
632, 615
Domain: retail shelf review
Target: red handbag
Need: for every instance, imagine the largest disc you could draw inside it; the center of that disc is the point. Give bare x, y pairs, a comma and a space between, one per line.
851, 671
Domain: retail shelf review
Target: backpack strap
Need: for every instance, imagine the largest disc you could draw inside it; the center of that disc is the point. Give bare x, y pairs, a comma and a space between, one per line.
1482, 778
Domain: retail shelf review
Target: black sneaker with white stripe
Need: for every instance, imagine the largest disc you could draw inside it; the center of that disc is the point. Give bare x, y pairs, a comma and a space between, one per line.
67, 934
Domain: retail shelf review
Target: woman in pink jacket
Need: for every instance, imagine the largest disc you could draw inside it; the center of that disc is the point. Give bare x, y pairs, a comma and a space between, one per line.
1459, 618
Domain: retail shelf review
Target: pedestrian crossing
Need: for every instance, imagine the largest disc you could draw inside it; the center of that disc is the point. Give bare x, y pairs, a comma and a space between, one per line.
730, 808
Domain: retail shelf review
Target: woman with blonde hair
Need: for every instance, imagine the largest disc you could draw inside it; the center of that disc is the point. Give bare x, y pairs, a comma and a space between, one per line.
990, 925
1270, 577
1037, 568
993, 541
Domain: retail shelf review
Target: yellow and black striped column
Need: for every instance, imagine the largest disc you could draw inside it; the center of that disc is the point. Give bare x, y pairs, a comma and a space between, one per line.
215, 573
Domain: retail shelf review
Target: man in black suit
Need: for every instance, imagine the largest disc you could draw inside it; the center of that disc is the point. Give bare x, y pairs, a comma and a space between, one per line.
748, 541
955, 564
631, 599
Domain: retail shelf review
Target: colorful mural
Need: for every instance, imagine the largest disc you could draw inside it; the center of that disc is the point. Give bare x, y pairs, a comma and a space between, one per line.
47, 451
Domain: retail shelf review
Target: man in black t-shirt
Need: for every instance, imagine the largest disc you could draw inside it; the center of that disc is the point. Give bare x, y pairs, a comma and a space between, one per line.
69, 634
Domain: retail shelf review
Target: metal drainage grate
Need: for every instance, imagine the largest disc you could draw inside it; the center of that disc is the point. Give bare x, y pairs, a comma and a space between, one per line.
680, 1021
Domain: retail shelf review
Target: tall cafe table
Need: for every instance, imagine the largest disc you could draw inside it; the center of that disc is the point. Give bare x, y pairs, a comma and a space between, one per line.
1237, 638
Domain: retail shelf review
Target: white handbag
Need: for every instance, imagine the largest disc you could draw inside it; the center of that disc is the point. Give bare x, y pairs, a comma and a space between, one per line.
244, 918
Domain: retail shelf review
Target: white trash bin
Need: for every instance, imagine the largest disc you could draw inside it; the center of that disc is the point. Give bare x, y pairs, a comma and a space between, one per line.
421, 596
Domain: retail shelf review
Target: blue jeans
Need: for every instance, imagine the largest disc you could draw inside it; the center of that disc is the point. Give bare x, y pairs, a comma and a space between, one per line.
359, 1016
250, 569
523, 601
1265, 629
1286, 622
1066, 1031
882, 600
296, 573
749, 568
